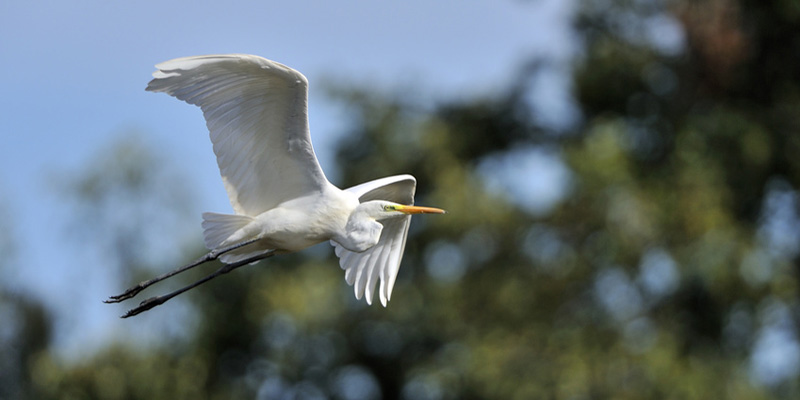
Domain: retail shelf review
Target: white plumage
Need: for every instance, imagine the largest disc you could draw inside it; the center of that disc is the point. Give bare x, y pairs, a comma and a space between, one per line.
256, 113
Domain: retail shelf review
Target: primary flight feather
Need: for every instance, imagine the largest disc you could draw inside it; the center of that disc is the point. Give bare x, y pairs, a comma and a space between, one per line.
257, 116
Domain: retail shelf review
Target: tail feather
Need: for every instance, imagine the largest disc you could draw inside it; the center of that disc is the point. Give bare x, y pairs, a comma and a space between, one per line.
217, 228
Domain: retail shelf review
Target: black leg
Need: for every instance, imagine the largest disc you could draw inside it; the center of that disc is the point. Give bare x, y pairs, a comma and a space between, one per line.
158, 300
210, 256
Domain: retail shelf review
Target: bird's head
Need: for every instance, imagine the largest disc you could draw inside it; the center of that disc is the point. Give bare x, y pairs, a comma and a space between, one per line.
380, 209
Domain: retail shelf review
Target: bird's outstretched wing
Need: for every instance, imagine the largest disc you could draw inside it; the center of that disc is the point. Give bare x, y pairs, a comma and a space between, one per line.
256, 112
382, 261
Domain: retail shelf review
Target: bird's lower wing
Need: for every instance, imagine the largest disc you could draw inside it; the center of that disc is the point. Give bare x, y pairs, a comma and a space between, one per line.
382, 261
362, 270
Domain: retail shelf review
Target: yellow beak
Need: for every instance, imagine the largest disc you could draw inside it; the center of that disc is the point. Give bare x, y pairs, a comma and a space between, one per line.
420, 210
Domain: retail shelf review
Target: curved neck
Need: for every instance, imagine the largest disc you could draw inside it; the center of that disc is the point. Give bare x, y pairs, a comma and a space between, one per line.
362, 231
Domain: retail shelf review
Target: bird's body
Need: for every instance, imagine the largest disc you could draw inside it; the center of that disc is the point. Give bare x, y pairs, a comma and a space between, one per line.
290, 226
257, 116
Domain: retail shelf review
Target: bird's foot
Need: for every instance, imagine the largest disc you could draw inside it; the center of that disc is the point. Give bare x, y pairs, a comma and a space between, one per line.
130, 293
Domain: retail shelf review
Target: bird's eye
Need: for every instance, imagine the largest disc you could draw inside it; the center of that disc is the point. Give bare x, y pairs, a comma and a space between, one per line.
388, 208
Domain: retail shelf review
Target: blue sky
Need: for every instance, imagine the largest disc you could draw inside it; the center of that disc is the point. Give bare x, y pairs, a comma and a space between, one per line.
73, 77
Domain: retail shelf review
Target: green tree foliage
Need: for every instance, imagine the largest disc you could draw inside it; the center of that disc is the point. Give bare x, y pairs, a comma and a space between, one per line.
665, 265
25, 327
119, 201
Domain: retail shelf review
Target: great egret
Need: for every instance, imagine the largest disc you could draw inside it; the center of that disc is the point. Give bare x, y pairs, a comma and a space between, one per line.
257, 116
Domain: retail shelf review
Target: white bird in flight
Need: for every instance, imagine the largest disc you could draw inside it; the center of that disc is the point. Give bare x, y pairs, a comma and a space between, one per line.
256, 113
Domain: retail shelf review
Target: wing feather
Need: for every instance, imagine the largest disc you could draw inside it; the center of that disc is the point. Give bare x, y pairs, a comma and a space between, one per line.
256, 114
361, 267
379, 270
382, 261
373, 269
397, 256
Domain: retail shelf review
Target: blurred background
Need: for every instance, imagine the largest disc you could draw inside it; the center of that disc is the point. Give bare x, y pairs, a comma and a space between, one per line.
621, 178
